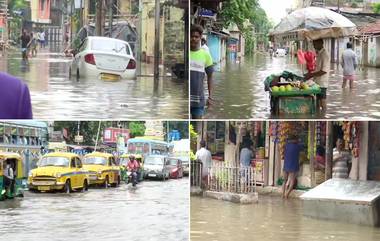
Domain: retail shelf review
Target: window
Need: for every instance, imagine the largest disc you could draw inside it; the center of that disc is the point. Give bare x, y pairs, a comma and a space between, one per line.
110, 46
78, 162
73, 163
92, 7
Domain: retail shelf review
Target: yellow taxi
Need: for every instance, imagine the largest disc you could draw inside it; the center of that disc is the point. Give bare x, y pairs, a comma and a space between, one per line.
59, 171
102, 169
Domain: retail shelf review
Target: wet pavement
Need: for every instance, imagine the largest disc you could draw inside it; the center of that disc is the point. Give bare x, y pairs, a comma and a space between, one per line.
154, 211
56, 96
272, 219
239, 91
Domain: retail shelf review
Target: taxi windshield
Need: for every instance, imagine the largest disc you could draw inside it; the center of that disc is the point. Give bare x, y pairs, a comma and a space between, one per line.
54, 161
95, 160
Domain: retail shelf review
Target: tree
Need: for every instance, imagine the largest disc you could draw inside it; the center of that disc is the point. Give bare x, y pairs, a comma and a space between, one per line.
249, 17
376, 8
136, 128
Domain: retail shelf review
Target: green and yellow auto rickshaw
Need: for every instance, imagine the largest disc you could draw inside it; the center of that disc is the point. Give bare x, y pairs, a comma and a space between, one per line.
123, 161
11, 188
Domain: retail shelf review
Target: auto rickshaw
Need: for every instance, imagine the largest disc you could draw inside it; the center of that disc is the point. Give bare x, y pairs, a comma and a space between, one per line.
123, 161
14, 189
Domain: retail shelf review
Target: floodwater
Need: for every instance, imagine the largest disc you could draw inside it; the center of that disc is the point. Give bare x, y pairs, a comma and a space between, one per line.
272, 219
56, 96
239, 91
154, 211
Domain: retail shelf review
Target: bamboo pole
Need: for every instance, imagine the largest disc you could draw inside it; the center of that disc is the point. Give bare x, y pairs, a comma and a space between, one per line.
312, 154
329, 150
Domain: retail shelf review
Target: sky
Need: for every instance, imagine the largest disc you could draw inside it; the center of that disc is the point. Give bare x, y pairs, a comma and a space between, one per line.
275, 9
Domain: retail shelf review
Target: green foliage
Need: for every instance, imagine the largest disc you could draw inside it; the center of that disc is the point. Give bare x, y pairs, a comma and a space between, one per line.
376, 8
193, 140
136, 128
238, 12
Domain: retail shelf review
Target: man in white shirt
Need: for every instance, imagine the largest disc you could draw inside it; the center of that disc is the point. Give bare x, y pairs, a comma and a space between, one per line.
321, 74
204, 156
349, 64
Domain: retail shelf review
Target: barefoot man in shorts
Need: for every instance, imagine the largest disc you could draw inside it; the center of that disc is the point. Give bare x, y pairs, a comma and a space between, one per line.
349, 64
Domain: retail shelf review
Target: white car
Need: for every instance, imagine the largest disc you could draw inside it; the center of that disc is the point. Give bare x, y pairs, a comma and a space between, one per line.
280, 53
103, 57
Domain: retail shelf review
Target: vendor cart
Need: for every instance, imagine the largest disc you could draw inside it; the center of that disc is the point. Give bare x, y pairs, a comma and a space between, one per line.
294, 100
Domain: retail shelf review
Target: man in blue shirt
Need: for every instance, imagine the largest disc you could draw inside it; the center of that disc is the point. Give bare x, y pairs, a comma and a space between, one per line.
291, 164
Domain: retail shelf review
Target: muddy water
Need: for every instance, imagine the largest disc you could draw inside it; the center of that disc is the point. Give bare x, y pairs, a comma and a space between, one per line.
154, 211
272, 219
57, 96
239, 91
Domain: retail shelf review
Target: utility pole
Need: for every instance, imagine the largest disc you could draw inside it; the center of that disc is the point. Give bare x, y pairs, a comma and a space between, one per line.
329, 150
110, 15
99, 18
157, 42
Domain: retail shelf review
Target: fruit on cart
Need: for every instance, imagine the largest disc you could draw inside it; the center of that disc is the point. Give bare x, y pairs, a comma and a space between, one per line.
289, 88
275, 89
282, 88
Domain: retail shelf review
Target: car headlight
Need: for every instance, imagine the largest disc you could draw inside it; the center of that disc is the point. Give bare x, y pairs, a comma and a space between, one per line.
58, 174
30, 174
99, 172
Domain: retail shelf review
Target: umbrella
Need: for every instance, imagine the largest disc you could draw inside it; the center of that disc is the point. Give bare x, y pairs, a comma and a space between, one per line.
313, 23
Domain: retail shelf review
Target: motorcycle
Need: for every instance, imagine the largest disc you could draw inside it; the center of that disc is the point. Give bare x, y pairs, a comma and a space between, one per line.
132, 178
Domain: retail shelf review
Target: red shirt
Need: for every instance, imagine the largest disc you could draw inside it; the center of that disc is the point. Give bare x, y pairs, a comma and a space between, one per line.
133, 165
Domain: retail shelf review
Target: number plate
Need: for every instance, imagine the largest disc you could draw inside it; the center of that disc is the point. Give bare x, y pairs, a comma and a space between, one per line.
43, 188
105, 76
152, 175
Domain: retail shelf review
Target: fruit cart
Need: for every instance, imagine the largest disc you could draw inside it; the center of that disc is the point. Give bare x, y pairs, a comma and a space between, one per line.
290, 94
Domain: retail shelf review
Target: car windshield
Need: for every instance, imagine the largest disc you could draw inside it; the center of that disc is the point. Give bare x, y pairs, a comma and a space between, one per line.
173, 162
154, 161
95, 160
109, 45
54, 161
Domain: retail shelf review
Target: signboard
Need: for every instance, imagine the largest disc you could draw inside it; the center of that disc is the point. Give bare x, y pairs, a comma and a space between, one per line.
56, 136
78, 138
111, 134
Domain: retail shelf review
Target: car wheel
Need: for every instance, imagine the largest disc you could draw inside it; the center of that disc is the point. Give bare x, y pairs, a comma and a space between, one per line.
118, 180
77, 74
85, 186
106, 182
67, 188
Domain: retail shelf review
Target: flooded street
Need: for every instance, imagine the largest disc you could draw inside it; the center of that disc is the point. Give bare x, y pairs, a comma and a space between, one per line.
55, 95
154, 211
271, 219
239, 91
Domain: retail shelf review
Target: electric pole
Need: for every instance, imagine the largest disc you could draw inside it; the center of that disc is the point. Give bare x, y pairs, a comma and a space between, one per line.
110, 17
157, 42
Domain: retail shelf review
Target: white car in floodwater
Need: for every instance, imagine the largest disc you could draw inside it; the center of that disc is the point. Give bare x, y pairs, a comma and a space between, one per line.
104, 58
